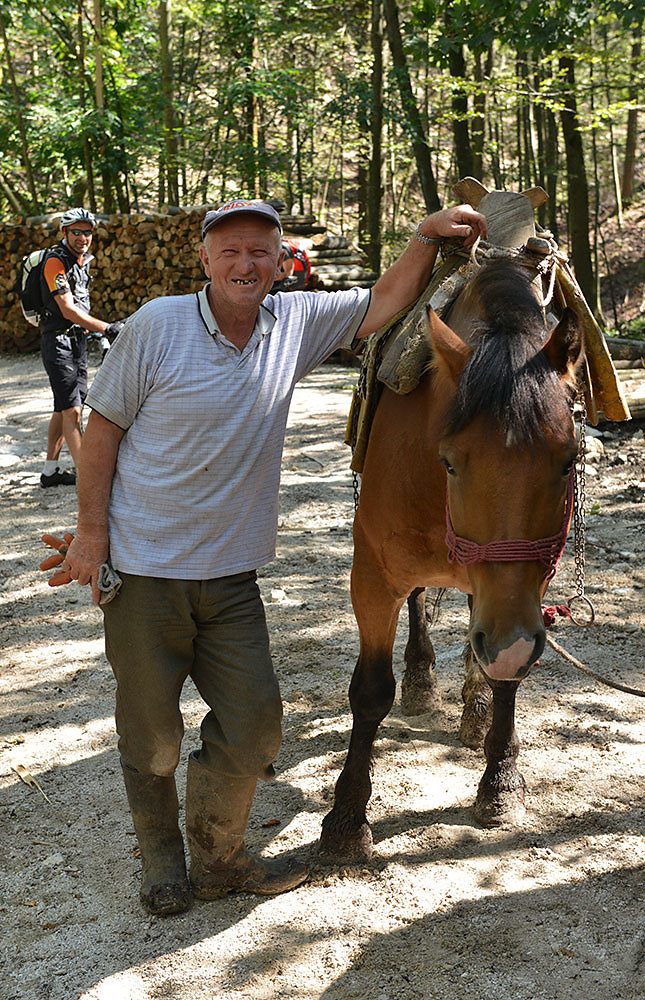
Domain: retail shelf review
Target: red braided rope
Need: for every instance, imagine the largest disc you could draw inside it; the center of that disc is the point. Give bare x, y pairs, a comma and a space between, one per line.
545, 550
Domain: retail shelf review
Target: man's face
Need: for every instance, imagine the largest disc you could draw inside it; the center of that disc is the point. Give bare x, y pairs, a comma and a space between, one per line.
241, 256
79, 236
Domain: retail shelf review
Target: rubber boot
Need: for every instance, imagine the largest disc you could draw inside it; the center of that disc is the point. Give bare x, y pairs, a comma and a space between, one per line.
154, 808
217, 812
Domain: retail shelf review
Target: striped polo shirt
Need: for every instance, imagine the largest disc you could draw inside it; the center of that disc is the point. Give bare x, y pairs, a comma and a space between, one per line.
195, 490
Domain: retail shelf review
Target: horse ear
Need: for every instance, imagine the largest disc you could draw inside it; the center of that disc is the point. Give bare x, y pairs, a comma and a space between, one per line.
564, 348
446, 345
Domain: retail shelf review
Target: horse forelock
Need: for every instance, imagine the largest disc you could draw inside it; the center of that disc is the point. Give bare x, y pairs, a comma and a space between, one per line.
508, 378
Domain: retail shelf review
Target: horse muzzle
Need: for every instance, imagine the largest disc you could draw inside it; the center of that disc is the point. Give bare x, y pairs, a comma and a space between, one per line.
507, 659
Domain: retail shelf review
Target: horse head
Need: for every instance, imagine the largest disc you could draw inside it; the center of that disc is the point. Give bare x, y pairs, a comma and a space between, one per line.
508, 447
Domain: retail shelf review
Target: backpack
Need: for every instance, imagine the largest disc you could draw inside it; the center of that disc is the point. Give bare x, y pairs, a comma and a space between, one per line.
29, 288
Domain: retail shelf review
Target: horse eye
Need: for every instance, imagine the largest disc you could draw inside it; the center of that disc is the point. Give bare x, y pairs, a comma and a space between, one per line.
568, 467
449, 469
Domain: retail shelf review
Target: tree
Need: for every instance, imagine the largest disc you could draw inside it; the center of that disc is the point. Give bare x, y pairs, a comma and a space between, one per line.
410, 108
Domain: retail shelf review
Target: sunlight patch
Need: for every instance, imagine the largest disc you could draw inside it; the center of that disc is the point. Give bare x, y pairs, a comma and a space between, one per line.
118, 987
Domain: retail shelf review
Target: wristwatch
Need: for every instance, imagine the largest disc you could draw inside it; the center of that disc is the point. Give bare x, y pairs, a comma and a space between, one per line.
428, 241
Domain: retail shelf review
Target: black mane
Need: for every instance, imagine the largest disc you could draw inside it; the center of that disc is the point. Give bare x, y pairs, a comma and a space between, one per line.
508, 377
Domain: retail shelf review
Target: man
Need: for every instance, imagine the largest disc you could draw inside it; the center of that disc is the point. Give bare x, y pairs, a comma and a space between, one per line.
178, 480
65, 280
295, 269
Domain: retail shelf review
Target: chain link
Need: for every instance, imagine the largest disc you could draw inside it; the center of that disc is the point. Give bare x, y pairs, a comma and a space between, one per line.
580, 501
356, 490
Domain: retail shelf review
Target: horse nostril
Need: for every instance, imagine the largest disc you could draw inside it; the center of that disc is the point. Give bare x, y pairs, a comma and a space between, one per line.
478, 642
538, 648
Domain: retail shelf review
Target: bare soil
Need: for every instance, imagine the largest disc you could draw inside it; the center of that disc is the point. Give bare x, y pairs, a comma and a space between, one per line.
447, 910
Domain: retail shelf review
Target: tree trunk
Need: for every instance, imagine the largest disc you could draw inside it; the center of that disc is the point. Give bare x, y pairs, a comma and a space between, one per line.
26, 161
627, 186
375, 168
460, 131
594, 302
87, 148
552, 169
108, 199
478, 126
577, 186
410, 109
14, 198
167, 91
540, 132
613, 152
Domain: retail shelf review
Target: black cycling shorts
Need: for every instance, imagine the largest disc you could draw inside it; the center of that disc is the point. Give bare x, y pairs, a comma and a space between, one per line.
65, 359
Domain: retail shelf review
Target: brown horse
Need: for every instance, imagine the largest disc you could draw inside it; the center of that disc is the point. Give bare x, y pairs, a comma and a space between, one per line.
485, 445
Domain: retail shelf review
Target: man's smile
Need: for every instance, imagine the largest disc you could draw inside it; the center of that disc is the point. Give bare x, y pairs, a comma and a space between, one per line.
242, 281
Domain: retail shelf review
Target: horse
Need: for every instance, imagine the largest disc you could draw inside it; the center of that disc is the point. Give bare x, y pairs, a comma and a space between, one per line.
467, 483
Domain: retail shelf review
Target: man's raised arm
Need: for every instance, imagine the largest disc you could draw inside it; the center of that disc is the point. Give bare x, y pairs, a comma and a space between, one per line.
406, 279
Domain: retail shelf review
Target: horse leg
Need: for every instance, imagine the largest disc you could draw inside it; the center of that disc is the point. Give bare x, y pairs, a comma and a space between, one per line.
477, 714
345, 832
500, 796
419, 692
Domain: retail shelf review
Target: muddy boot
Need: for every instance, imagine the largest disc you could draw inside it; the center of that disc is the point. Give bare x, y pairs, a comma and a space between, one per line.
217, 811
154, 808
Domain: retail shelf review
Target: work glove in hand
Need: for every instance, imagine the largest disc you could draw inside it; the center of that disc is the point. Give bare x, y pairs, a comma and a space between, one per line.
113, 330
61, 545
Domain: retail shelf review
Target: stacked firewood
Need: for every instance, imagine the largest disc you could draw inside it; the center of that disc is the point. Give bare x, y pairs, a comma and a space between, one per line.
336, 263
138, 257
143, 255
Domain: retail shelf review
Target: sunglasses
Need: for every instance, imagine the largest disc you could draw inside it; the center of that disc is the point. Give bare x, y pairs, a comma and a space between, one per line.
81, 232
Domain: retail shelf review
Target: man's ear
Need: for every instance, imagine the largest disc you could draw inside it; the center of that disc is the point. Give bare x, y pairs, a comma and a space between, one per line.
203, 256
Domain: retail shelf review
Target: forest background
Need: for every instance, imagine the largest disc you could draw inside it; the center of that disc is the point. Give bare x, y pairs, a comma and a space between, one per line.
361, 113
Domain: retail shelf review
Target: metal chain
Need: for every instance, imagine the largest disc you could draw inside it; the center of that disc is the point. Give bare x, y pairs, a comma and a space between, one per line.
580, 500
356, 490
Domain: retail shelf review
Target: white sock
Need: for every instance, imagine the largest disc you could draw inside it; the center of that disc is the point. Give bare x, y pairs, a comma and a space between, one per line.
51, 464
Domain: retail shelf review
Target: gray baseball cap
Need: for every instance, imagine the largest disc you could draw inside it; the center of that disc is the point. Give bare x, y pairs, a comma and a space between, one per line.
236, 207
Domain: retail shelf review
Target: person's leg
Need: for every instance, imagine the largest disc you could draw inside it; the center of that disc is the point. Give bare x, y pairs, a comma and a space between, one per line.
241, 735
77, 391
54, 436
149, 634
61, 365
71, 422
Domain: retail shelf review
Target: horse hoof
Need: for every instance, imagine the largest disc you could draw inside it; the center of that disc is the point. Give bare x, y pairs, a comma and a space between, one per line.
351, 846
420, 699
475, 723
502, 809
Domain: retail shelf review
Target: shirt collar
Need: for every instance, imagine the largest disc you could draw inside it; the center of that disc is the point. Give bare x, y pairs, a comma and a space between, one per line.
264, 322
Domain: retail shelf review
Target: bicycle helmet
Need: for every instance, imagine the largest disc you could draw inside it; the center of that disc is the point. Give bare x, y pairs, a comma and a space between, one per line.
73, 215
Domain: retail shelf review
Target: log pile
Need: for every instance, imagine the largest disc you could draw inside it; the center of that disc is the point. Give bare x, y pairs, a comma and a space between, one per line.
629, 360
336, 264
143, 255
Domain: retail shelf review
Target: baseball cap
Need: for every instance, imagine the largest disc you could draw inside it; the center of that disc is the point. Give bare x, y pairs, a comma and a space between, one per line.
239, 205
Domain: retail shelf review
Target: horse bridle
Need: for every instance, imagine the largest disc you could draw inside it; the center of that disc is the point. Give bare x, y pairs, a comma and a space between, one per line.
544, 550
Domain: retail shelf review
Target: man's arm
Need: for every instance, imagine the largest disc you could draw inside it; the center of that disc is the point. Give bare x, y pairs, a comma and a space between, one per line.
67, 306
90, 547
402, 283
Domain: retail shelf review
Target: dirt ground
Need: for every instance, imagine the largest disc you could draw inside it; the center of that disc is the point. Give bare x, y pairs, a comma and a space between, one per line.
447, 910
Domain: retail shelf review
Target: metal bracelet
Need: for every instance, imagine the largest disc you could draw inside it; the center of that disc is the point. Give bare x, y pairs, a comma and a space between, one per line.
428, 241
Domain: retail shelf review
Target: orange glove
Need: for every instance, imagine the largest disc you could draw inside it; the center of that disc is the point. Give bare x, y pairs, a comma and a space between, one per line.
61, 545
